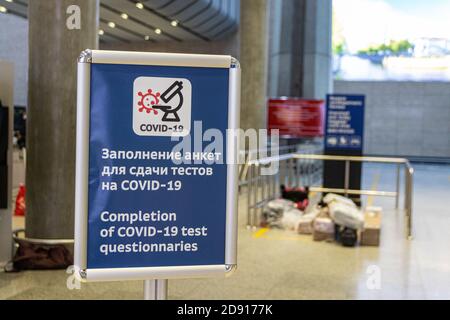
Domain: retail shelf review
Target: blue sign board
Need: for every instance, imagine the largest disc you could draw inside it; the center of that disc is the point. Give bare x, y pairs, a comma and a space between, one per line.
156, 198
344, 122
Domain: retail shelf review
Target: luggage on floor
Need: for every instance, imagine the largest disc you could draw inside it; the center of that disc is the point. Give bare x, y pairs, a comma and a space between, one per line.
297, 195
280, 205
332, 197
273, 211
305, 224
323, 229
348, 237
33, 256
370, 235
337, 232
290, 219
346, 215
294, 194
302, 205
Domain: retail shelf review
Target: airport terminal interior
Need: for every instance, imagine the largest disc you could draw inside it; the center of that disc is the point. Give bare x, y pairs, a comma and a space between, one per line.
358, 205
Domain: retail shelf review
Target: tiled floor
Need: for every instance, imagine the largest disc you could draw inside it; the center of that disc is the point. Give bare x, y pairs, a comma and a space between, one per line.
282, 265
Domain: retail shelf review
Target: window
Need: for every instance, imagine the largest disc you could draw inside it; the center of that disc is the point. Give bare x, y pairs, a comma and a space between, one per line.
391, 40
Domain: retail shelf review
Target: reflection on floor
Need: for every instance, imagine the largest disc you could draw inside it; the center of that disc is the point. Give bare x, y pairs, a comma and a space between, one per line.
282, 265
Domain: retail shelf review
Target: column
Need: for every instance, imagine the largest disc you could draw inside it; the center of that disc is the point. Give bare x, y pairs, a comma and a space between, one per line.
300, 48
253, 58
317, 59
286, 48
55, 42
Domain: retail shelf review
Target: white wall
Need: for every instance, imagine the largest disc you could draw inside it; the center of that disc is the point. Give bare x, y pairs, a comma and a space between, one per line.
404, 118
14, 48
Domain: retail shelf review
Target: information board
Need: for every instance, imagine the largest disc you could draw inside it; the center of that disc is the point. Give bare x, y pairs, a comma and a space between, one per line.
344, 126
296, 117
155, 197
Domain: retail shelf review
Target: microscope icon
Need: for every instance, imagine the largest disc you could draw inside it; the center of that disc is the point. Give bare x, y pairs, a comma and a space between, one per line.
170, 95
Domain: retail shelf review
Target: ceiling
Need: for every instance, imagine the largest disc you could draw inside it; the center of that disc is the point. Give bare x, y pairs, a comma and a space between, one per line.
158, 20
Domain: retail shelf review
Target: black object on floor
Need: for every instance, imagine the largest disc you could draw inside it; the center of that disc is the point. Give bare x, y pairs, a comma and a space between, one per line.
32, 256
348, 237
294, 194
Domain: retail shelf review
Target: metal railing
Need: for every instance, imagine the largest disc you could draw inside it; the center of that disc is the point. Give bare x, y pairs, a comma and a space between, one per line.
263, 188
305, 148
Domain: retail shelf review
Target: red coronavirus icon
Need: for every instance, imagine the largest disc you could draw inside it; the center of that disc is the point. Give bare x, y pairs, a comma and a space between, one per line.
148, 100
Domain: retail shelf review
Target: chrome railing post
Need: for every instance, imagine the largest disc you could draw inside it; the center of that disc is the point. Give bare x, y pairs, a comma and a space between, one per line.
264, 190
288, 173
155, 289
406, 192
397, 188
274, 183
249, 194
281, 179
293, 174
310, 172
410, 200
256, 194
347, 177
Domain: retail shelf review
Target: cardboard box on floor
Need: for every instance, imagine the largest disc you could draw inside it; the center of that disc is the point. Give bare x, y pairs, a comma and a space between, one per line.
323, 229
370, 236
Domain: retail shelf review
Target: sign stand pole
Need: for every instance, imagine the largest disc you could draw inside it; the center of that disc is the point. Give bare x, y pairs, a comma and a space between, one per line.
155, 289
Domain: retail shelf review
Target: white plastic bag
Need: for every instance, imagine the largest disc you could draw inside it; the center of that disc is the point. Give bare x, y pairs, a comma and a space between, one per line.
331, 197
274, 210
280, 205
346, 215
290, 219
